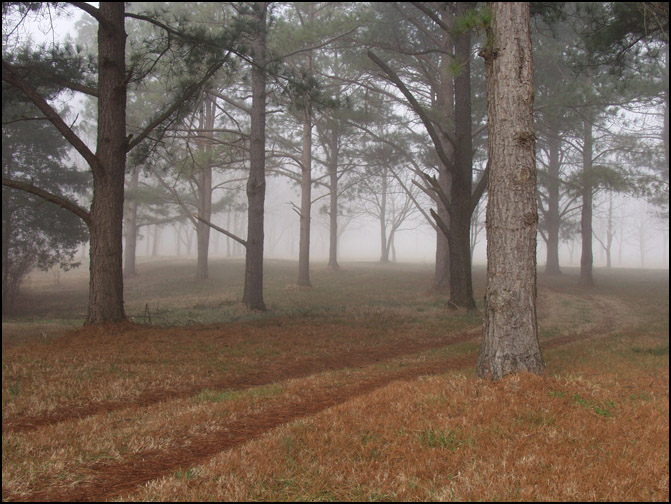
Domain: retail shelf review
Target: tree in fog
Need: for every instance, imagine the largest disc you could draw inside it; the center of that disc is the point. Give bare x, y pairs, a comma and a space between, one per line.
337, 138
108, 162
306, 32
256, 184
610, 91
382, 196
35, 233
510, 332
452, 140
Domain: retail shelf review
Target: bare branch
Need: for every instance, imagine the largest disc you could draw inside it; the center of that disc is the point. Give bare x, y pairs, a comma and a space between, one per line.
217, 228
12, 77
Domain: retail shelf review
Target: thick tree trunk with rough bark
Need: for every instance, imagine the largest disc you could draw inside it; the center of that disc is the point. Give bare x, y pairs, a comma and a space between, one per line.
256, 184
106, 283
510, 332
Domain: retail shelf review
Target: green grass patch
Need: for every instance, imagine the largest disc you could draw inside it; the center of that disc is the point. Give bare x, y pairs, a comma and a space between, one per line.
450, 439
217, 396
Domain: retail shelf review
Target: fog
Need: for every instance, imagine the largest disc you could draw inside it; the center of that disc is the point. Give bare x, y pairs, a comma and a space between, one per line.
641, 236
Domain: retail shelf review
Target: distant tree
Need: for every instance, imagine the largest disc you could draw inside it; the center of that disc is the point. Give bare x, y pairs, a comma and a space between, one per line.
510, 332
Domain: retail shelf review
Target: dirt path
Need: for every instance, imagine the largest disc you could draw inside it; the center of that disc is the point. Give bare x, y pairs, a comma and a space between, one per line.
113, 480
110, 480
270, 374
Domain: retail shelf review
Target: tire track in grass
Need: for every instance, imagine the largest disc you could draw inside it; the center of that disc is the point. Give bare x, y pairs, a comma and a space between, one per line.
279, 372
107, 481
113, 480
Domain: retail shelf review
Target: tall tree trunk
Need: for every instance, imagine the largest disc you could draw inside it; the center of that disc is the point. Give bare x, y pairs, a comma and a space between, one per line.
609, 232
552, 216
205, 211
461, 281
205, 187
665, 129
157, 234
586, 258
131, 226
384, 251
510, 332
106, 281
256, 184
306, 198
333, 208
445, 103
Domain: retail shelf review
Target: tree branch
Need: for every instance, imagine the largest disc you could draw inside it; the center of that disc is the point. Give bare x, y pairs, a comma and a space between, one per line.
480, 188
441, 223
190, 91
53, 198
10, 76
217, 228
419, 110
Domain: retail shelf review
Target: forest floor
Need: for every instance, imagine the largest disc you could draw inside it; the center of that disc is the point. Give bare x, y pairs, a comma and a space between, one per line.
360, 388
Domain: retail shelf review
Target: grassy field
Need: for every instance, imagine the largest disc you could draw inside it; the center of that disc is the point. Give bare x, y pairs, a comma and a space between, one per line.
360, 388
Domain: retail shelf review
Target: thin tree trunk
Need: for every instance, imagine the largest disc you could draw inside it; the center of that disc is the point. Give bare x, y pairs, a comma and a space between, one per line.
131, 226
445, 102
510, 332
157, 234
552, 217
586, 258
256, 184
306, 199
333, 209
609, 232
384, 251
205, 189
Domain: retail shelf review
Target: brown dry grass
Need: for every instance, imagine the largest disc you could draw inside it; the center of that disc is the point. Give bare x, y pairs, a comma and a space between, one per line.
369, 405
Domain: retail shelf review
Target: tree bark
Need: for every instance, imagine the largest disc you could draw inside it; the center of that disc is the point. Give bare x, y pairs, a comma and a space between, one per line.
106, 281
461, 281
510, 332
256, 184
384, 251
